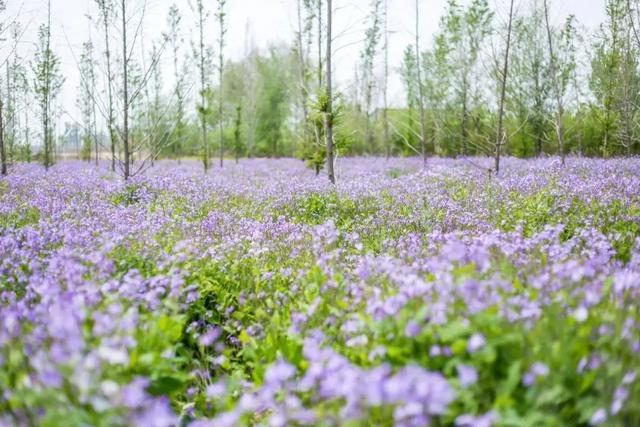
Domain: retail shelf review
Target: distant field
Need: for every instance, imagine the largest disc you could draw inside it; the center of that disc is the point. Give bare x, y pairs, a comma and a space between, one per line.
260, 295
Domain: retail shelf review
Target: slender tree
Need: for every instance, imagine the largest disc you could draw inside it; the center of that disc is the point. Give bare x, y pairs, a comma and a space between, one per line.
320, 41
503, 79
465, 31
174, 35
237, 144
423, 144
203, 110
614, 79
10, 114
251, 88
408, 73
316, 151
530, 87
385, 86
135, 76
23, 88
47, 85
3, 149
157, 127
368, 55
106, 10
436, 82
328, 118
303, 28
86, 101
220, 15
126, 102
17, 94
561, 71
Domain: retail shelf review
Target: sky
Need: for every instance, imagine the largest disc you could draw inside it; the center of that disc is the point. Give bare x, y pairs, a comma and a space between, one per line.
259, 23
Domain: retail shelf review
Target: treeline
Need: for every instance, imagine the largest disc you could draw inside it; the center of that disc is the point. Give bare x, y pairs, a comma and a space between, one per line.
522, 85
566, 90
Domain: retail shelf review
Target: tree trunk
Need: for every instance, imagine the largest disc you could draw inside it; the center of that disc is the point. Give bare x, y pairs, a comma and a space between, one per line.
47, 93
3, 153
47, 142
319, 44
463, 123
110, 118
423, 143
328, 117
93, 129
203, 119
125, 93
605, 145
10, 110
500, 138
385, 112
302, 69
221, 64
236, 132
27, 135
557, 89
46, 134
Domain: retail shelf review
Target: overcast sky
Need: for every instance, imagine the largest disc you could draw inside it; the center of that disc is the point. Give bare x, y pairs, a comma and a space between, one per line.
261, 22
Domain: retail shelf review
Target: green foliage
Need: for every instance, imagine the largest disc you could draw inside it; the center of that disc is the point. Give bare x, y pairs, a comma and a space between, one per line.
19, 218
272, 104
314, 151
532, 213
86, 100
615, 80
130, 195
457, 73
315, 156
47, 84
85, 153
254, 296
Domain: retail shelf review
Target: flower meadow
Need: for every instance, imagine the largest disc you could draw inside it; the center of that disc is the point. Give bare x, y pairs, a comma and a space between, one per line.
261, 295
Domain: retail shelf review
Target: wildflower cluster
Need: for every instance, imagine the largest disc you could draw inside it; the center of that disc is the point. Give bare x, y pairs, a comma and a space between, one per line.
260, 295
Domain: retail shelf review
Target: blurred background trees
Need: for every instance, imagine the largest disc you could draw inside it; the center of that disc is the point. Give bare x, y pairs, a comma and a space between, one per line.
568, 92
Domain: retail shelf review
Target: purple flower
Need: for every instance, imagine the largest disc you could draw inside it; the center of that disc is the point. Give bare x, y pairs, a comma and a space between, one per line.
215, 390
158, 414
619, 397
211, 336
598, 417
227, 419
52, 379
536, 371
435, 351
467, 420
357, 341
134, 394
580, 314
468, 375
278, 372
629, 377
476, 342
412, 329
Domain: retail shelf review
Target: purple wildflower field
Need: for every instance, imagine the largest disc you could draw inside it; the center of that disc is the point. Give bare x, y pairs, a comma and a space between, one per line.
259, 294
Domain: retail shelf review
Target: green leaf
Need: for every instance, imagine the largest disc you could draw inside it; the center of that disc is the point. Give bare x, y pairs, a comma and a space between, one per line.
509, 385
165, 386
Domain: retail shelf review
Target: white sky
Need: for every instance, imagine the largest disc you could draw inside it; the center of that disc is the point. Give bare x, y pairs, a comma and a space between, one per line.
270, 21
